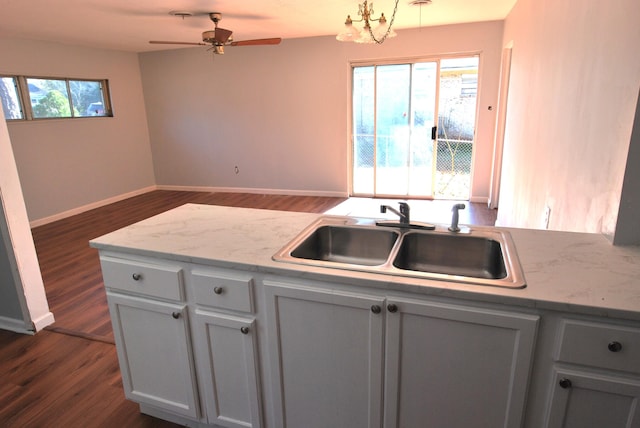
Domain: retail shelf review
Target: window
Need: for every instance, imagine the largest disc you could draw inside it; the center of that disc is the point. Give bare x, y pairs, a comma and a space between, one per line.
34, 98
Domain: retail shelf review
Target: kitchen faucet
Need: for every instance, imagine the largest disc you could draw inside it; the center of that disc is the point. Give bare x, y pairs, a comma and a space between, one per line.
455, 217
403, 213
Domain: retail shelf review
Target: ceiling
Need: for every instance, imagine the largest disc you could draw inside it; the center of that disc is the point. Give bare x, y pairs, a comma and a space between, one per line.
129, 25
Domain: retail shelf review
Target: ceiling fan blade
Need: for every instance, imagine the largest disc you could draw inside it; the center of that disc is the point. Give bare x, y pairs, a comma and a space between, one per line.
222, 35
256, 42
160, 42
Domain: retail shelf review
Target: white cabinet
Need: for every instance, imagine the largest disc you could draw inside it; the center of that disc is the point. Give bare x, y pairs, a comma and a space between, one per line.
595, 379
589, 399
456, 366
226, 347
154, 353
326, 354
342, 359
152, 336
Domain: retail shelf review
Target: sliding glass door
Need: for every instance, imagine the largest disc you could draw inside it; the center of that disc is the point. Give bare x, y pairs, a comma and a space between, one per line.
396, 143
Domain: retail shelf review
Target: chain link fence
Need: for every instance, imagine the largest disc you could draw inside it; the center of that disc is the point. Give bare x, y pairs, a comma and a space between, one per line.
453, 169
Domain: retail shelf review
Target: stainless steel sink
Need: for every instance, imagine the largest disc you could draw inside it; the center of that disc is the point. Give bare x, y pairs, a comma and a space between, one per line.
482, 256
364, 246
461, 255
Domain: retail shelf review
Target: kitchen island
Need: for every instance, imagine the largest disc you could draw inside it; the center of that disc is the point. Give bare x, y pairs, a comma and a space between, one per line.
396, 350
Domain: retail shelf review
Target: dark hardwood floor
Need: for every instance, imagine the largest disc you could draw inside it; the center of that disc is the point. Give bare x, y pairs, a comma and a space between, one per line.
68, 375
57, 380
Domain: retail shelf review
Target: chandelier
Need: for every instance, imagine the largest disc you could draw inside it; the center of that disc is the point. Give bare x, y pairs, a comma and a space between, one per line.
379, 34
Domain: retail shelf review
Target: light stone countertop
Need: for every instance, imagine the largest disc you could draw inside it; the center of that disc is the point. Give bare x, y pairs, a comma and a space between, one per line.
575, 272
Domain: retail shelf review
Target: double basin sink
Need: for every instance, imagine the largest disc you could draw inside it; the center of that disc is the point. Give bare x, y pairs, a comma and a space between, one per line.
482, 256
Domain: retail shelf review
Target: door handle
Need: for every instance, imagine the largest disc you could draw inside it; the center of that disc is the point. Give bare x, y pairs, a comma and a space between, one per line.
434, 132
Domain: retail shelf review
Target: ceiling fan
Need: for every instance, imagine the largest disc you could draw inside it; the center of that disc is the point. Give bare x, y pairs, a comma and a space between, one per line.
218, 38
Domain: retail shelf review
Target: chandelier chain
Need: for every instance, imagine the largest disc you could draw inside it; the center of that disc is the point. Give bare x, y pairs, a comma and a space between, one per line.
393, 17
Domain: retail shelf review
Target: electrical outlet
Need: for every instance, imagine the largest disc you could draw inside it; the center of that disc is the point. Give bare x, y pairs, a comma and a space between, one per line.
546, 216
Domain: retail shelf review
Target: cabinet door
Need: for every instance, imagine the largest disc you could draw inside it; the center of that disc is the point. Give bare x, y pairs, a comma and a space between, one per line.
326, 351
153, 347
586, 399
227, 363
456, 366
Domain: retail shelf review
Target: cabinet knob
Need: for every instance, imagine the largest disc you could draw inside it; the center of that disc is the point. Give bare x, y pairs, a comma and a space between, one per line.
615, 346
137, 276
244, 330
565, 383
392, 308
376, 309
176, 315
218, 290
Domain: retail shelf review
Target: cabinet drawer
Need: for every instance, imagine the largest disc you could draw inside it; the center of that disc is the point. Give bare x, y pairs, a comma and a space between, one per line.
162, 281
223, 290
599, 345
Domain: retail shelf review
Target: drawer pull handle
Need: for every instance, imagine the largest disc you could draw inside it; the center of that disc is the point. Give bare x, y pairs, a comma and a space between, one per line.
175, 315
376, 309
218, 290
137, 276
565, 383
615, 346
244, 330
392, 308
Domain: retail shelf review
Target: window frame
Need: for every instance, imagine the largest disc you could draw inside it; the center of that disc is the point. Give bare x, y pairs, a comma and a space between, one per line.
24, 96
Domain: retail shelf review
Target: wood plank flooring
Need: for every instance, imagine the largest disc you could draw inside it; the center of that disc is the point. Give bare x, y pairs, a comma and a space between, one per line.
68, 375
56, 380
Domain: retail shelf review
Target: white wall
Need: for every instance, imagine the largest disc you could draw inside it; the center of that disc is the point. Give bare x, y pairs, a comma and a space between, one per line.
66, 164
281, 113
574, 82
24, 306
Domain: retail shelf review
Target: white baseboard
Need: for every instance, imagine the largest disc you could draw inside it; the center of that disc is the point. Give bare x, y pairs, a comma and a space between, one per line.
43, 321
259, 191
93, 205
479, 199
15, 325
